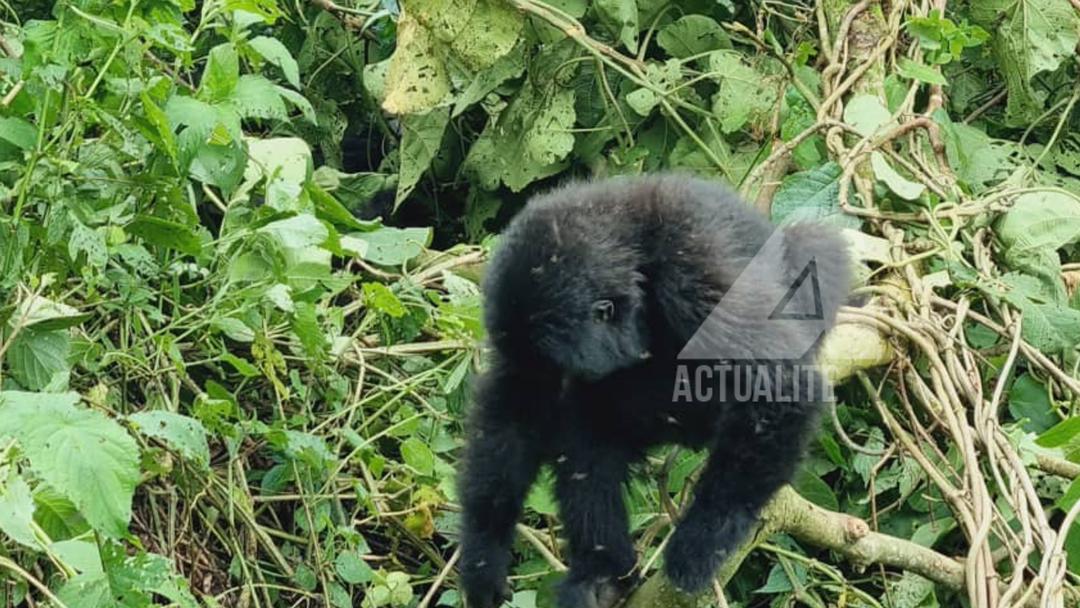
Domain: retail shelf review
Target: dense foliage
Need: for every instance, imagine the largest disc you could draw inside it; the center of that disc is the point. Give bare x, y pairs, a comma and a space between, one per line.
240, 243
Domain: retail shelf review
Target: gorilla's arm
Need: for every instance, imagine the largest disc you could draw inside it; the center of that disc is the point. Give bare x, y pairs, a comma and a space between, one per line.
589, 477
756, 451
501, 461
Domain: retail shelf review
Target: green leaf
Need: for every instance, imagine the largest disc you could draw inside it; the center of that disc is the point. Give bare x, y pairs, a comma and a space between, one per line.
234, 328
902, 186
1060, 434
273, 51
911, 591
692, 35
917, 71
221, 73
38, 356
90, 241
811, 196
81, 453
297, 232
165, 233
352, 569
17, 510
18, 132
421, 135
508, 66
528, 142
866, 114
1028, 399
256, 97
620, 17
388, 246
744, 93
491, 31
185, 435
279, 158
41, 313
418, 79
379, 297
812, 488
418, 456
1030, 37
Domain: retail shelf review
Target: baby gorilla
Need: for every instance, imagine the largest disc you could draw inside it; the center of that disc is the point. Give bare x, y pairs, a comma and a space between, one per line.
595, 291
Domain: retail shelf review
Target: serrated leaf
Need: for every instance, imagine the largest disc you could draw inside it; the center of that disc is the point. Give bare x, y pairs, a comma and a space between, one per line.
421, 135
81, 453
902, 186
811, 196
418, 456
417, 80
37, 356
185, 435
89, 241
692, 35
273, 51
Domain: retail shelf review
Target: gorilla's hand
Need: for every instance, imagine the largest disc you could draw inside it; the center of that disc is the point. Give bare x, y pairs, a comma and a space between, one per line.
698, 548
589, 593
484, 584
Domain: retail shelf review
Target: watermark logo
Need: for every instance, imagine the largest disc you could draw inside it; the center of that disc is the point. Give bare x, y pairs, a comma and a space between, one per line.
753, 346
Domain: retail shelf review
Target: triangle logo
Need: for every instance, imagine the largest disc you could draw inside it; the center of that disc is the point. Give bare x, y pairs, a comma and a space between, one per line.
800, 301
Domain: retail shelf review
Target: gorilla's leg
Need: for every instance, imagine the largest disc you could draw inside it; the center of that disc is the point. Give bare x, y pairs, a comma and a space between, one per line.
501, 461
756, 452
589, 478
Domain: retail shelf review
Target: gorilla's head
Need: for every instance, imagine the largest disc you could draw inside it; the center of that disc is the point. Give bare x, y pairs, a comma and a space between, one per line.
561, 294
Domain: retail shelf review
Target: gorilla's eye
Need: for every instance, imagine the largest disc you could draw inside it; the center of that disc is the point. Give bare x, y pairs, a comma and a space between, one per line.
603, 310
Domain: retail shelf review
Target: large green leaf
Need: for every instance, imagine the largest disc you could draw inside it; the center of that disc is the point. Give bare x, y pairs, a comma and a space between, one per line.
811, 196
82, 453
1029, 37
529, 141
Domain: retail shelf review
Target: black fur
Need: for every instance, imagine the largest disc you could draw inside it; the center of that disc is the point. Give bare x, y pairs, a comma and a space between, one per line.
594, 290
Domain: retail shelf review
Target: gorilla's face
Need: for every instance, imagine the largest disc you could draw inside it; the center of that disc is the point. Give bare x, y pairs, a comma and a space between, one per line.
595, 334
560, 295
